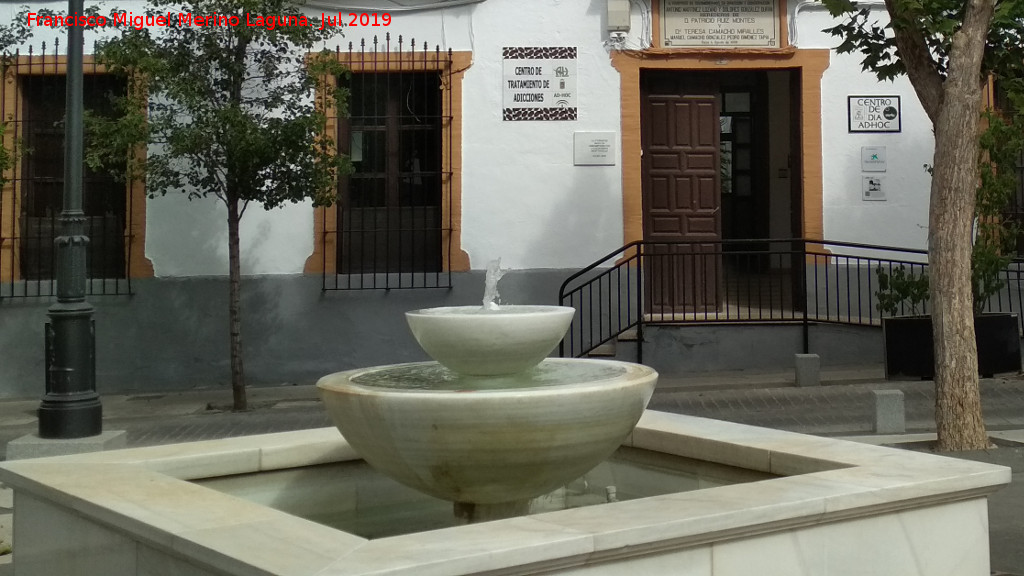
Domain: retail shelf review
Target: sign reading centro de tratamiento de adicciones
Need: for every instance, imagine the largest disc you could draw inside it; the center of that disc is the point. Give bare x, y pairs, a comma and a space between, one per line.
689, 23
539, 83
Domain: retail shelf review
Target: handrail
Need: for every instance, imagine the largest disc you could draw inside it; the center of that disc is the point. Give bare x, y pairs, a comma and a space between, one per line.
622, 326
758, 280
597, 263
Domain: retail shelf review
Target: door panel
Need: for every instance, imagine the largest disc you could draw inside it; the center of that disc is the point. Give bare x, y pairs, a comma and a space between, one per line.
680, 135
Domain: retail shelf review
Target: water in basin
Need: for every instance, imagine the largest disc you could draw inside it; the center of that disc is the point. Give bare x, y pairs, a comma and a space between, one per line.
433, 376
352, 497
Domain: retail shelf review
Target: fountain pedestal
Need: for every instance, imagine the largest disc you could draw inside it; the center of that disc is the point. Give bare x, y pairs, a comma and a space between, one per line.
471, 513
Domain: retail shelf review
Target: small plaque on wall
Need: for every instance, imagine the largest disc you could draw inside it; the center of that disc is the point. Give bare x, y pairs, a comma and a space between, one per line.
872, 159
873, 188
593, 149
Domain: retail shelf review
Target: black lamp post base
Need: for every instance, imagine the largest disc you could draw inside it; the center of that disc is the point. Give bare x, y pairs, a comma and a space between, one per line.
65, 419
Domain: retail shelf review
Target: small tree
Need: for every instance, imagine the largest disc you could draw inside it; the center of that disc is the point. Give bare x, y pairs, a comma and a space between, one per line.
11, 36
996, 232
228, 111
946, 48
14, 34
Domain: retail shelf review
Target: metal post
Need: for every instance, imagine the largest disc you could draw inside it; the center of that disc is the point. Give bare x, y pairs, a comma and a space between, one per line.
640, 303
806, 332
71, 407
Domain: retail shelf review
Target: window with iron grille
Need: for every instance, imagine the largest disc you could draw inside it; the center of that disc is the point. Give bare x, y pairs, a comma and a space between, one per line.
395, 221
42, 189
389, 214
32, 105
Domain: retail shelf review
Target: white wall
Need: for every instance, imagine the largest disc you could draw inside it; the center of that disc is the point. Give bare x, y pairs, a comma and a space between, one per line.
523, 199
190, 237
901, 220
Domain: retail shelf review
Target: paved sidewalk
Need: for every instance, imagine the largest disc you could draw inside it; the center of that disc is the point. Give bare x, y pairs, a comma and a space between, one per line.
836, 409
842, 406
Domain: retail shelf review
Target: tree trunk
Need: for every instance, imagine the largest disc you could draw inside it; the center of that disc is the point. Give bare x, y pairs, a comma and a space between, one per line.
958, 418
234, 308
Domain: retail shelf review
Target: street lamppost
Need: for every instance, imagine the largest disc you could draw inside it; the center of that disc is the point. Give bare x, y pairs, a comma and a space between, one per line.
71, 407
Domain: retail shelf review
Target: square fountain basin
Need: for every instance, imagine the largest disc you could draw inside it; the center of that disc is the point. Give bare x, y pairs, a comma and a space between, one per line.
353, 497
838, 508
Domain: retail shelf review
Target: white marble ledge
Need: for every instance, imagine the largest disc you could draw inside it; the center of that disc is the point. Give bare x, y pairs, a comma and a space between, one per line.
240, 455
140, 492
466, 550
730, 443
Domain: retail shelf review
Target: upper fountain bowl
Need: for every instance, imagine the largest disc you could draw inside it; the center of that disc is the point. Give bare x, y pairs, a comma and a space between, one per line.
489, 342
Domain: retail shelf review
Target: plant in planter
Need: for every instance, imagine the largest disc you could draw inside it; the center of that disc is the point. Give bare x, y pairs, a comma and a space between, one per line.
903, 292
906, 326
908, 337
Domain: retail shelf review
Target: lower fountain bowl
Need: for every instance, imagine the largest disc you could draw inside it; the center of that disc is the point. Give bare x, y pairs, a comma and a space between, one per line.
488, 440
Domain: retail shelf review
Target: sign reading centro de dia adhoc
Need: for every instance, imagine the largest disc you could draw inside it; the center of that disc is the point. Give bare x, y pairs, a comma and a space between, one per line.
539, 83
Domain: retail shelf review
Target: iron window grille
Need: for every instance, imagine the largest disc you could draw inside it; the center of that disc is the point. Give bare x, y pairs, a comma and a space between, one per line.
393, 217
32, 109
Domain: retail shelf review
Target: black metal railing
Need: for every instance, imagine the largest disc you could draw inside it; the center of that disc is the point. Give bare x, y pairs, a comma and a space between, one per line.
745, 281
32, 102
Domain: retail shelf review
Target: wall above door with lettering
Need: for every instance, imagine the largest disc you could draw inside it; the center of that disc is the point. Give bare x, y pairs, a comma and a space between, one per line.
720, 23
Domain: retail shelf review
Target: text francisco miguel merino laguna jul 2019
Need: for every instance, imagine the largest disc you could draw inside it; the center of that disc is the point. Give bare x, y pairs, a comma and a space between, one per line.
139, 21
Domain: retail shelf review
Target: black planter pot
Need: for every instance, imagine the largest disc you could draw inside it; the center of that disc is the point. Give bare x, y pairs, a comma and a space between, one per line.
909, 353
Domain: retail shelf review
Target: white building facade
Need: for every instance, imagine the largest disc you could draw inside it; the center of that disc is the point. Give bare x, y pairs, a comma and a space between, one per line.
562, 130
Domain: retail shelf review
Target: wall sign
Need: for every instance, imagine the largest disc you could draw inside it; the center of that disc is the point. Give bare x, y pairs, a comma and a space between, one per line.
873, 188
593, 149
720, 23
874, 113
872, 159
539, 83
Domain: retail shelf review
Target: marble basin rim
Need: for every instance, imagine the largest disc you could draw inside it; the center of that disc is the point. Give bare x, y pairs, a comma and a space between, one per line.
477, 341
838, 508
489, 446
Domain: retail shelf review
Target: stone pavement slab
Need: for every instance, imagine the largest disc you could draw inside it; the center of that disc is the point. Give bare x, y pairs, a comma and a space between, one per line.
837, 409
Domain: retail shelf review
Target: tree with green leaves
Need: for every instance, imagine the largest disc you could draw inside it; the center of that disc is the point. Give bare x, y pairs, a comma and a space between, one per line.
947, 49
227, 111
12, 36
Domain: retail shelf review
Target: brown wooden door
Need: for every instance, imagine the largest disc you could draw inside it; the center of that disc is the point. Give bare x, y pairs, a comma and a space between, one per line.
682, 198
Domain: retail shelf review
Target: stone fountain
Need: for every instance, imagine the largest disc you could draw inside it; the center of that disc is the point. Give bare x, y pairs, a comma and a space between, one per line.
821, 505
491, 423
